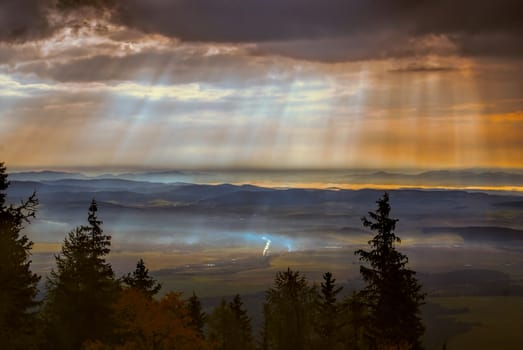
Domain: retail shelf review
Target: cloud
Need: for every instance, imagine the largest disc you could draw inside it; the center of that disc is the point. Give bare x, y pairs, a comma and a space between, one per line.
23, 20
360, 47
336, 30
174, 66
317, 30
268, 20
423, 68
192, 92
75, 4
495, 44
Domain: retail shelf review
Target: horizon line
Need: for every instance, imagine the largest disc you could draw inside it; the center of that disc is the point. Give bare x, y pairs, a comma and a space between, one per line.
140, 169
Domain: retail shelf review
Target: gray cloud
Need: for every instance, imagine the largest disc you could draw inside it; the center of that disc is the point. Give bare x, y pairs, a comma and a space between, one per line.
311, 29
423, 68
304, 29
267, 20
73, 4
494, 44
360, 47
22, 20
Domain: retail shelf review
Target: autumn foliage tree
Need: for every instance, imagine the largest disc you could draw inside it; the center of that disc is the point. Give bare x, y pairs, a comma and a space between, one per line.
18, 285
143, 323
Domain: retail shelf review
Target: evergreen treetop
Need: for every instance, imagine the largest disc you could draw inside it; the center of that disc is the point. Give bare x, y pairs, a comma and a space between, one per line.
327, 320
240, 314
140, 280
197, 316
18, 285
290, 311
392, 295
230, 327
82, 289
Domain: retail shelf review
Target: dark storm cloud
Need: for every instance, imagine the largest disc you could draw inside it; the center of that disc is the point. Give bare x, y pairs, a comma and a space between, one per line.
423, 68
359, 47
365, 29
268, 20
22, 20
491, 44
475, 27
73, 4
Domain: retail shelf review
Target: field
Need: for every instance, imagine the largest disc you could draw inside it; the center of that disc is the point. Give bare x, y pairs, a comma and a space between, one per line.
482, 323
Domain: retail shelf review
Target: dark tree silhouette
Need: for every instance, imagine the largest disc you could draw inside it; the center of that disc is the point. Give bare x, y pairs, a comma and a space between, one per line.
355, 315
230, 327
327, 321
392, 295
289, 312
141, 281
197, 316
18, 285
220, 333
263, 339
82, 289
242, 321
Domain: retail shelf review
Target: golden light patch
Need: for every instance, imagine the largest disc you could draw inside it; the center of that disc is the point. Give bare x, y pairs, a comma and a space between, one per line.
515, 117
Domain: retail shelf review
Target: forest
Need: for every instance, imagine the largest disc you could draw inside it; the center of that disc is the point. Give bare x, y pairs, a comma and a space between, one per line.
86, 306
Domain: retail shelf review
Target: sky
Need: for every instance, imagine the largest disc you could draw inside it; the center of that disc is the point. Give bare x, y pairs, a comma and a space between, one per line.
280, 84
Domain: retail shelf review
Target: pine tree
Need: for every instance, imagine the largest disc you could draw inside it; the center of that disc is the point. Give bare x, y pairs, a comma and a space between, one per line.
82, 289
392, 295
18, 285
230, 327
197, 316
243, 323
327, 320
354, 315
263, 338
220, 323
140, 280
289, 312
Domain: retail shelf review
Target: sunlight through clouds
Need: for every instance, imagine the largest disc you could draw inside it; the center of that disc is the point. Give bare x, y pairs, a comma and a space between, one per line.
150, 98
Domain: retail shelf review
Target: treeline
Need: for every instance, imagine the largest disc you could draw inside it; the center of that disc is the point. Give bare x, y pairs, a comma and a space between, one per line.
87, 307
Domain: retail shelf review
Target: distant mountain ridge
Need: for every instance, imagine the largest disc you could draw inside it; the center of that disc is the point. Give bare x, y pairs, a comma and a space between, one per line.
149, 209
45, 175
445, 177
436, 178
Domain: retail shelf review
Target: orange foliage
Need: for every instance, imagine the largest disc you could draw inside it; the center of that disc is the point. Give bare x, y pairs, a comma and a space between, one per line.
145, 323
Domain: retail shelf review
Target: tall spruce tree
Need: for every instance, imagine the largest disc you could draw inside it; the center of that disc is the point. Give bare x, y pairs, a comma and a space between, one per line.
140, 280
230, 327
243, 322
327, 320
392, 295
290, 312
197, 316
18, 285
262, 342
82, 289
